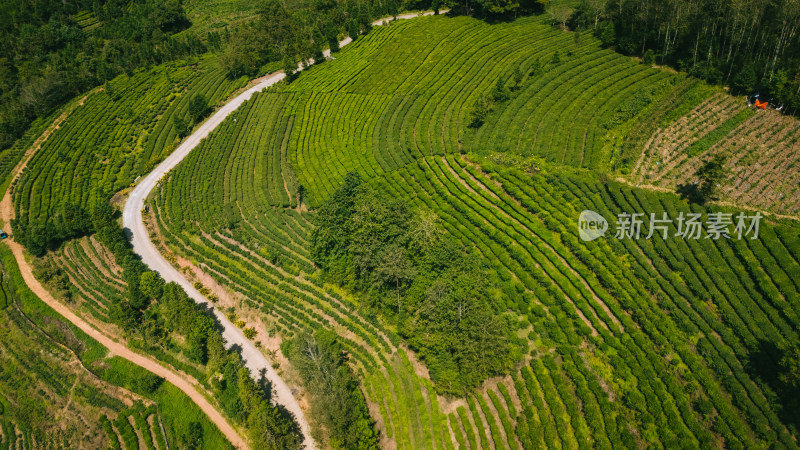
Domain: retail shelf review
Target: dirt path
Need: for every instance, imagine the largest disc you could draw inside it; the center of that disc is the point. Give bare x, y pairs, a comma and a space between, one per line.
182, 382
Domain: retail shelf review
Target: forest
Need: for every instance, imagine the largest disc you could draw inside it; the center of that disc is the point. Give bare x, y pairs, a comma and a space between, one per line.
751, 46
336, 399
47, 57
53, 51
405, 265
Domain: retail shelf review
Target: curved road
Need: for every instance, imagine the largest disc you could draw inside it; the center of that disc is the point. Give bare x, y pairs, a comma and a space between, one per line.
132, 219
182, 381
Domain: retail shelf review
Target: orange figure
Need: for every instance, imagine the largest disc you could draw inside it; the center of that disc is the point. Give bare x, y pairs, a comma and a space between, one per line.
761, 105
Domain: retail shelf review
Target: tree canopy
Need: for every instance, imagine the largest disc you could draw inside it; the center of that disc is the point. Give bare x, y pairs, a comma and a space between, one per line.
48, 57
434, 288
336, 399
752, 46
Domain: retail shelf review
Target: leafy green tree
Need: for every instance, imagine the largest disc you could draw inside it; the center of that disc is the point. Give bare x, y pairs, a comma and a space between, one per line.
194, 436
607, 34
198, 107
561, 13
148, 382
151, 284
424, 232
500, 7
180, 124
649, 57
331, 237
336, 400
392, 8
289, 68
712, 175
202, 328
354, 29
268, 427
395, 269
480, 111
746, 80
537, 68
500, 92
517, 76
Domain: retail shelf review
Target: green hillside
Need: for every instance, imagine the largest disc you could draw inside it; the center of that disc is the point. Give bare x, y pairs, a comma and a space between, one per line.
505, 132
114, 135
59, 387
631, 343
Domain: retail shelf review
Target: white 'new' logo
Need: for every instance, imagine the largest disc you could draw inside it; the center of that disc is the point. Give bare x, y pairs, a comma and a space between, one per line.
591, 225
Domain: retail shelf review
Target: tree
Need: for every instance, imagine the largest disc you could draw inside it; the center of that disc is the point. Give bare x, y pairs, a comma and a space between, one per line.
499, 7
586, 15
180, 124
289, 68
148, 382
198, 107
649, 57
336, 399
606, 33
151, 284
353, 29
746, 80
395, 268
561, 13
425, 231
392, 8
517, 77
500, 92
330, 239
480, 111
202, 328
72, 222
537, 68
712, 175
194, 436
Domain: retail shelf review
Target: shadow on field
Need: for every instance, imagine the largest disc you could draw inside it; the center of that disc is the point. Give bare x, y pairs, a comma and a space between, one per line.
690, 192
765, 368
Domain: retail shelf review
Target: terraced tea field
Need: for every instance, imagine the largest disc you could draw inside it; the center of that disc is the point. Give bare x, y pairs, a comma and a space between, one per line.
440, 67
762, 150
630, 342
59, 387
120, 132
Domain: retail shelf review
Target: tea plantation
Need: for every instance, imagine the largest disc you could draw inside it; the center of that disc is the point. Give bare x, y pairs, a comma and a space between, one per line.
660, 342
502, 134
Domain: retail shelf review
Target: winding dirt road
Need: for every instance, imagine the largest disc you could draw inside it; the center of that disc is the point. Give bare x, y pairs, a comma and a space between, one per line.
132, 220
183, 382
